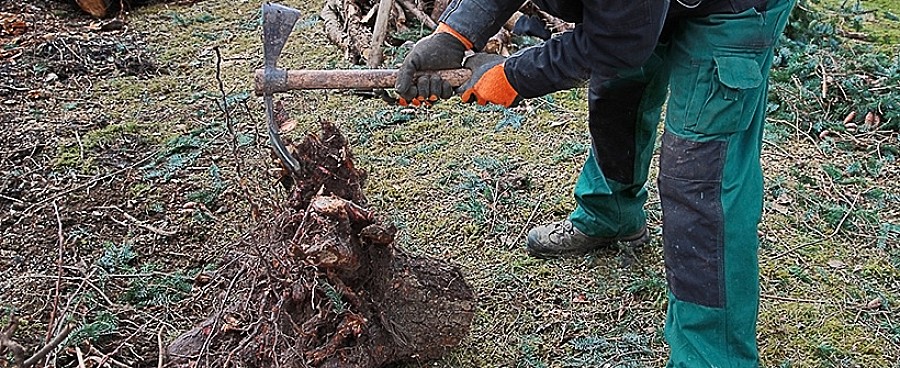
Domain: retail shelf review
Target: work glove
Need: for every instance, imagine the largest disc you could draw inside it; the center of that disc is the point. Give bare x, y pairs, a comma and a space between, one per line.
443, 49
529, 25
488, 83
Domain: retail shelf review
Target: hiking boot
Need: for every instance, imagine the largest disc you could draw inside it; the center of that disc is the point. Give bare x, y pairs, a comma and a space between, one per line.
561, 239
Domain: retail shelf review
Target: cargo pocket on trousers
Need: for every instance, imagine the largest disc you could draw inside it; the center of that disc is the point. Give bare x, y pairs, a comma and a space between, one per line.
733, 96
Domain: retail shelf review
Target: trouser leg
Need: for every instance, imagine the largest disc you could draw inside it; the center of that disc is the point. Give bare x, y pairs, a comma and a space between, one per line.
624, 115
710, 184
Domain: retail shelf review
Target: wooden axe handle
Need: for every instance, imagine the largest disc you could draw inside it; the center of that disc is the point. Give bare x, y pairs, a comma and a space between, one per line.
347, 79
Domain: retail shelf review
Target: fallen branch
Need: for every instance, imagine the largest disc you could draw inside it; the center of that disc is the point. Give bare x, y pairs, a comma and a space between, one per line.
59, 263
49, 347
140, 223
162, 350
418, 14
379, 32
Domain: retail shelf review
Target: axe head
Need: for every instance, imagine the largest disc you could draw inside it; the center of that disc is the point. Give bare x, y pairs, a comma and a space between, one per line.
278, 22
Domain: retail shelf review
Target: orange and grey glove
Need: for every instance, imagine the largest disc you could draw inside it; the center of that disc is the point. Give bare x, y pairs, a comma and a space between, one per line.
443, 49
488, 83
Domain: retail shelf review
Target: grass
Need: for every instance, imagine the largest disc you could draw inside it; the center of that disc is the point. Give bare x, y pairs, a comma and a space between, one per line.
465, 183
877, 20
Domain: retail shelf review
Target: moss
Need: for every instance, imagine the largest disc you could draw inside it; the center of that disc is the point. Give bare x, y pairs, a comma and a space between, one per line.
140, 189
71, 156
108, 134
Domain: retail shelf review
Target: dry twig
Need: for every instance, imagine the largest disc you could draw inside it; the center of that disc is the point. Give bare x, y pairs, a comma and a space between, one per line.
18, 351
162, 350
80, 356
421, 16
89, 183
7, 343
238, 160
59, 263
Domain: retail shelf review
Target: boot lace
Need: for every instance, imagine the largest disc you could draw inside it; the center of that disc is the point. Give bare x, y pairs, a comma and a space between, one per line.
561, 230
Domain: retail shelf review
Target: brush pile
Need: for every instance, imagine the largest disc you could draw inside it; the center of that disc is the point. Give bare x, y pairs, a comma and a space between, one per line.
350, 24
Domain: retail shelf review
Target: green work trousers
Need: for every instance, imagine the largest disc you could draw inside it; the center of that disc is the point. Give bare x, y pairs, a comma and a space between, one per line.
714, 69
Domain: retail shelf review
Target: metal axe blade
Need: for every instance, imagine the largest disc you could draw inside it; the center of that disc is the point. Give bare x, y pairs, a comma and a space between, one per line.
278, 22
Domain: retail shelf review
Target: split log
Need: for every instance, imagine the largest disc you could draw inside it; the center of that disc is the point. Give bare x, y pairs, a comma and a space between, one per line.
331, 289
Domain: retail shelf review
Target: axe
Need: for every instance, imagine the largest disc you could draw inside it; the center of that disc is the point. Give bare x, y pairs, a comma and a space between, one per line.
278, 22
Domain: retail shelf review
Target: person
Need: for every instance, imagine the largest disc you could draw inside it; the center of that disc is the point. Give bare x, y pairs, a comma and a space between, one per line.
710, 59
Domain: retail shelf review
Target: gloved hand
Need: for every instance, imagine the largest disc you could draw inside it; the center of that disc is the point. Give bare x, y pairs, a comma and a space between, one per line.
443, 49
529, 25
488, 83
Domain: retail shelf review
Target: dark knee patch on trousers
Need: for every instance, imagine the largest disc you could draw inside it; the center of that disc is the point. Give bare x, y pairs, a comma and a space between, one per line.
612, 122
690, 189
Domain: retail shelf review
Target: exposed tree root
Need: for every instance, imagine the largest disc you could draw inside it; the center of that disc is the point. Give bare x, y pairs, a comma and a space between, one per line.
329, 288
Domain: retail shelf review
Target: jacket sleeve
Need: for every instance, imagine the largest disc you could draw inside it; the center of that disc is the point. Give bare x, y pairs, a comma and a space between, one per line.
478, 20
614, 36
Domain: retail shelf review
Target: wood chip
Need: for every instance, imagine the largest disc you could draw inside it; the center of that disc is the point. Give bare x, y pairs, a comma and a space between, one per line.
874, 304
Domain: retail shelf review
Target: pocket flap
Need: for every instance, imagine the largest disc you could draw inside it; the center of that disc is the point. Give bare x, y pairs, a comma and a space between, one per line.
738, 72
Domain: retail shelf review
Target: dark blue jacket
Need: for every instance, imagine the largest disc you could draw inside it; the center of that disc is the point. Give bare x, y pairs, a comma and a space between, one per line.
610, 36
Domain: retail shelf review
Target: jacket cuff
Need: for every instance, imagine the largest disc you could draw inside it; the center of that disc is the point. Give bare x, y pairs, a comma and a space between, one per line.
445, 28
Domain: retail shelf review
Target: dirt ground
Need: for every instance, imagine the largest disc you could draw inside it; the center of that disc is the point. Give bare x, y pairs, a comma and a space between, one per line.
125, 193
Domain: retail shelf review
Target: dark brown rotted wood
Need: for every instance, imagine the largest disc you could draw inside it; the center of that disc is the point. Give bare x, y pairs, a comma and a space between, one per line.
96, 8
348, 79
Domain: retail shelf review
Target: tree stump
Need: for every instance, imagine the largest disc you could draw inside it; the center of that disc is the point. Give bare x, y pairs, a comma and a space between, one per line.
330, 289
